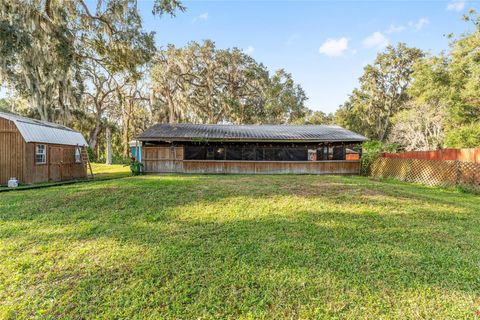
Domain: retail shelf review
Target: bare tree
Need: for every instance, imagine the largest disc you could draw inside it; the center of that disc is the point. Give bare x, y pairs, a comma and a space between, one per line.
419, 127
100, 97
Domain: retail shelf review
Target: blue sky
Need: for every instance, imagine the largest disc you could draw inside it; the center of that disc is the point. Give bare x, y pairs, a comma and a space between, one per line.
324, 44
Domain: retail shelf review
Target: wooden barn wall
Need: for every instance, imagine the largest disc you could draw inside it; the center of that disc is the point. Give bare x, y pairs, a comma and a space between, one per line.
163, 159
60, 164
170, 159
17, 159
12, 152
35, 172
72, 170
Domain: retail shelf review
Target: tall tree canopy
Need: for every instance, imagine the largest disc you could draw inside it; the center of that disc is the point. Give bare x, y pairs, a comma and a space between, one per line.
43, 44
450, 82
203, 84
382, 92
418, 101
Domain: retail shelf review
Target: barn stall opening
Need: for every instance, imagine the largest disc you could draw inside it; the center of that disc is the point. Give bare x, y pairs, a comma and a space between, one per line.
265, 149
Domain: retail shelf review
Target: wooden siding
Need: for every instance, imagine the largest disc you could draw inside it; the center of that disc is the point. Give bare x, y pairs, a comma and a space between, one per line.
60, 164
170, 160
17, 159
35, 172
12, 152
467, 155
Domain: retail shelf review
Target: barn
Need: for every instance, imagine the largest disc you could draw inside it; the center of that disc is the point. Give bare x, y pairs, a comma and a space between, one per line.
35, 151
263, 149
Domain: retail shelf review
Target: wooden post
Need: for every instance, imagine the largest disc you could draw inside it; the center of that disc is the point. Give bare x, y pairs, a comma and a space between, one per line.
108, 137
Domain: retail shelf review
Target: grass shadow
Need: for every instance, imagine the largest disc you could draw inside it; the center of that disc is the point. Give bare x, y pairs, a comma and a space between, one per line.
239, 246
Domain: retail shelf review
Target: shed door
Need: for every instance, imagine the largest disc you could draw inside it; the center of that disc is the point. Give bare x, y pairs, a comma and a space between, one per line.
68, 163
55, 155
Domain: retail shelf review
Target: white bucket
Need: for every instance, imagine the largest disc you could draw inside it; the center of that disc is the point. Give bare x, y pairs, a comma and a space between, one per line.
13, 183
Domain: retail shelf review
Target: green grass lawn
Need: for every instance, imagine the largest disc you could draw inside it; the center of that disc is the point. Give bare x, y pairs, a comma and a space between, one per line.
101, 172
105, 171
185, 246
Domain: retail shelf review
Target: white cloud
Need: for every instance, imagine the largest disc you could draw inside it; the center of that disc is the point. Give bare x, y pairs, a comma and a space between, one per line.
418, 25
411, 25
334, 47
395, 29
375, 40
203, 16
249, 50
456, 6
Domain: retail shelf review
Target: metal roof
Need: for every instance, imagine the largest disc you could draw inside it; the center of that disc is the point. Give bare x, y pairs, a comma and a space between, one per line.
226, 132
46, 132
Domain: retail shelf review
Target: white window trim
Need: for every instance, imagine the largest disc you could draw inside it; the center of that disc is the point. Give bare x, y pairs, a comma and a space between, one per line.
79, 160
44, 153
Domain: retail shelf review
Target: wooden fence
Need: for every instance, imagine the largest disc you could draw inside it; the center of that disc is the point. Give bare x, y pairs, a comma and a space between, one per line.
430, 172
468, 155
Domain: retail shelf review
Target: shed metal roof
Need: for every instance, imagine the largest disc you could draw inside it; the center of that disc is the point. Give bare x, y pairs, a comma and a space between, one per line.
225, 132
45, 132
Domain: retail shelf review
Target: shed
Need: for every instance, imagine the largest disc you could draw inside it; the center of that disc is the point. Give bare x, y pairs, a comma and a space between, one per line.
37, 151
203, 148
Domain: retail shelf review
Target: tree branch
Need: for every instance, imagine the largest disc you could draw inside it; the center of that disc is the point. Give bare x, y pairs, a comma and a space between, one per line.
101, 19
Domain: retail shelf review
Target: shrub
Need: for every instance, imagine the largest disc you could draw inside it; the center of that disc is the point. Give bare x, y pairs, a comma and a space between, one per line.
135, 167
91, 155
116, 159
120, 159
467, 136
371, 150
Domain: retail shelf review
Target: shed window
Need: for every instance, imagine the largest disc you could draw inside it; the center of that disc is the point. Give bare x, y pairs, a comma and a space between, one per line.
338, 153
248, 154
219, 153
321, 154
78, 156
195, 153
40, 154
245, 153
210, 153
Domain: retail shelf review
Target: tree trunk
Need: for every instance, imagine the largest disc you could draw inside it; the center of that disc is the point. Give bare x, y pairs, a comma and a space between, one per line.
385, 127
126, 128
108, 137
41, 110
93, 136
125, 137
171, 110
